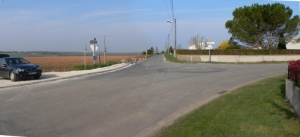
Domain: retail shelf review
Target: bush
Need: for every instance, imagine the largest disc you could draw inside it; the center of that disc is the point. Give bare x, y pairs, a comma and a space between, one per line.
293, 71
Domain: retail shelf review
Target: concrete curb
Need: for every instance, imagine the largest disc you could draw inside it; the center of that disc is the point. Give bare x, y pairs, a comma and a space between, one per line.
66, 77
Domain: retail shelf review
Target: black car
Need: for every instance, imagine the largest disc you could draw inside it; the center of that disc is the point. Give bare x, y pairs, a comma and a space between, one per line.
16, 68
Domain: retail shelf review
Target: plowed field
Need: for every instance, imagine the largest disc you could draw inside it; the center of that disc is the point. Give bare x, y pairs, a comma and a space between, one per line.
65, 63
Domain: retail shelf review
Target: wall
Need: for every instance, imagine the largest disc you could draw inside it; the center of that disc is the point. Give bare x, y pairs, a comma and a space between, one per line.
293, 45
238, 58
292, 94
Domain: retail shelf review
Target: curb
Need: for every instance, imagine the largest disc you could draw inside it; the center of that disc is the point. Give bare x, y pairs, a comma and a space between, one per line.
67, 77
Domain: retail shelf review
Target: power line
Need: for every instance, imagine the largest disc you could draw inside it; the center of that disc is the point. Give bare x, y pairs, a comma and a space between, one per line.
172, 11
167, 9
172, 7
201, 8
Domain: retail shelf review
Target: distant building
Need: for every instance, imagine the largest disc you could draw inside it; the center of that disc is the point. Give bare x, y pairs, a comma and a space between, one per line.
202, 46
255, 47
193, 47
293, 44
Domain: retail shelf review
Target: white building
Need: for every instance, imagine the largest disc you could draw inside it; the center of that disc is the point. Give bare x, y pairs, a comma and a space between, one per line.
202, 46
193, 47
293, 44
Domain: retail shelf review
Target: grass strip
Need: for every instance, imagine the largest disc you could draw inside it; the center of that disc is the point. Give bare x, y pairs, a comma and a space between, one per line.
89, 67
255, 110
173, 59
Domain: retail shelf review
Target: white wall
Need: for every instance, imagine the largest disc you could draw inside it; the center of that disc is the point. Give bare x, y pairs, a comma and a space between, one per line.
292, 45
238, 58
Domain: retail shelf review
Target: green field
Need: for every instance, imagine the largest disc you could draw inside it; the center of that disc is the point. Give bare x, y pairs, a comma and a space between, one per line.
255, 110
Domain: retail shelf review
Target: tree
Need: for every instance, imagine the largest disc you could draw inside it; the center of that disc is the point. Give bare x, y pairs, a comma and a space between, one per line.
232, 43
281, 44
223, 45
143, 53
151, 50
263, 24
171, 50
198, 41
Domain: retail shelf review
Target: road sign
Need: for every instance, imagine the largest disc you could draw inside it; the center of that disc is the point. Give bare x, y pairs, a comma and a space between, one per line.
211, 43
94, 57
94, 48
92, 42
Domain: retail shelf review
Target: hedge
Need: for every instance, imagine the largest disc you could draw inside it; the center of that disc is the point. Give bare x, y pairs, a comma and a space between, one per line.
294, 71
238, 52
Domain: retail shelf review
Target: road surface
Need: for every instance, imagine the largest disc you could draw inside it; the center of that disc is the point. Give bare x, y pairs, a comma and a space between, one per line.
136, 101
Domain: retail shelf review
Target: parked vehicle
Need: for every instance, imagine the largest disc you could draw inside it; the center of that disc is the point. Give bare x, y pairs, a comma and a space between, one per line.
16, 68
3, 55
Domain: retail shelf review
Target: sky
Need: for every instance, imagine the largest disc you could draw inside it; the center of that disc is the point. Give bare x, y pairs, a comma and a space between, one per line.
128, 25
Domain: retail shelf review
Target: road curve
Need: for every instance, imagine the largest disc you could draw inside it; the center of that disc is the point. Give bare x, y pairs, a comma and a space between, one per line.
136, 101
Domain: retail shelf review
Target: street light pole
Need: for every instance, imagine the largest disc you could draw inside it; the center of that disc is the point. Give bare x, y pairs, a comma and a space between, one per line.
175, 37
168, 44
104, 49
85, 48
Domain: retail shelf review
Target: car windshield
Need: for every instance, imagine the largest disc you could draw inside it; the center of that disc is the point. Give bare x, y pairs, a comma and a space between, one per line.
14, 61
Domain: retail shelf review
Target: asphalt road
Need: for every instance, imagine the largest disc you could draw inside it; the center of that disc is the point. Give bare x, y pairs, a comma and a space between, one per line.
136, 101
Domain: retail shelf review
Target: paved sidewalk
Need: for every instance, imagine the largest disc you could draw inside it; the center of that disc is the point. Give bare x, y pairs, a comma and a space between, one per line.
54, 76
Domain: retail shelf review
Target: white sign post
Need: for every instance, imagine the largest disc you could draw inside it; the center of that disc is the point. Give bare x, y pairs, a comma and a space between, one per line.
94, 47
209, 44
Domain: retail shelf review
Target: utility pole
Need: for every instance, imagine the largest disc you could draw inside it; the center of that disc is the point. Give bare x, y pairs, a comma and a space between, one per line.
197, 43
99, 57
175, 38
85, 48
168, 44
104, 49
165, 48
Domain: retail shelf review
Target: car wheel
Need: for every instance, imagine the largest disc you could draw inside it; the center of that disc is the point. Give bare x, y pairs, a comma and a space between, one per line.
37, 77
12, 76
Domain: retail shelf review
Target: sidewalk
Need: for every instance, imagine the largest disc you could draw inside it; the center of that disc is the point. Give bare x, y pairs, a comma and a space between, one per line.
54, 76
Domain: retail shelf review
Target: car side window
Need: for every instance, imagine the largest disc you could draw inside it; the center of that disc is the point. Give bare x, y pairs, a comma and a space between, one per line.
2, 61
9, 61
23, 61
